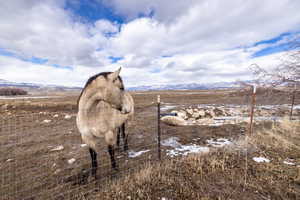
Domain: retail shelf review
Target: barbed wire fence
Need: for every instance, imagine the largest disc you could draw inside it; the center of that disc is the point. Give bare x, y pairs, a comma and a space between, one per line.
42, 155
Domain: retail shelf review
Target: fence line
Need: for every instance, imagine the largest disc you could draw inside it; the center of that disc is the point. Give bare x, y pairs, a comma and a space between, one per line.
29, 169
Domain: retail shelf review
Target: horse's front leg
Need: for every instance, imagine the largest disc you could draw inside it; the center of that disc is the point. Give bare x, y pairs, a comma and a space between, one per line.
110, 138
118, 137
94, 162
111, 151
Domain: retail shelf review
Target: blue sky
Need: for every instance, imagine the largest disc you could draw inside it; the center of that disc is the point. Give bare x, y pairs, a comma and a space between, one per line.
65, 42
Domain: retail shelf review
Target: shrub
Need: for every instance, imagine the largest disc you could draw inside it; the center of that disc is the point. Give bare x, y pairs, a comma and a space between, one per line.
12, 91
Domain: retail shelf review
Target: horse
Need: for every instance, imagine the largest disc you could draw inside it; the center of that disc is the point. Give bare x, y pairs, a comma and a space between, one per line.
101, 111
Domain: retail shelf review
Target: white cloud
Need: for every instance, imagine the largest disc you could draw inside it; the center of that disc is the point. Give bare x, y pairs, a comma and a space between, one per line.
166, 10
184, 41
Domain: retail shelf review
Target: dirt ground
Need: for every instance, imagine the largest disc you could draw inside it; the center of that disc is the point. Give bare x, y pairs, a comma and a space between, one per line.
42, 155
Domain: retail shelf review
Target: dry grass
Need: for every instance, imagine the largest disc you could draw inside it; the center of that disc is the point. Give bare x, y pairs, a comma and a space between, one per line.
218, 175
221, 174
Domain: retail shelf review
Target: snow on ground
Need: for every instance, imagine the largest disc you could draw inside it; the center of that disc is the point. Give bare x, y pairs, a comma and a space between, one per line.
187, 149
167, 107
289, 162
180, 149
297, 107
171, 142
261, 159
133, 154
58, 148
47, 121
220, 142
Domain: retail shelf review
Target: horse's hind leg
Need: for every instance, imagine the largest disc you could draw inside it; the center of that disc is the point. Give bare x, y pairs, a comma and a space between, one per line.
125, 137
112, 157
94, 162
118, 137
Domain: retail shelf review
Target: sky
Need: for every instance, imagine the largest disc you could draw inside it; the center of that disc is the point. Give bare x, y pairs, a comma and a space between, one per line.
64, 42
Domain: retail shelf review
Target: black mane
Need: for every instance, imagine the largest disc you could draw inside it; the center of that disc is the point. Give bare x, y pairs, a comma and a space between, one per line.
90, 80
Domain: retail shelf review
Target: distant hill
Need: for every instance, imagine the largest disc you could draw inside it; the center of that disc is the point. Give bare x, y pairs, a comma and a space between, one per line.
189, 86
34, 86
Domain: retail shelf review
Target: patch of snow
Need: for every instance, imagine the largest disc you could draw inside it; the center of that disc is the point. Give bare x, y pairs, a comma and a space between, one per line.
180, 149
220, 142
83, 145
68, 116
296, 106
171, 142
164, 108
58, 148
133, 154
187, 149
55, 116
9, 160
47, 121
71, 161
289, 162
261, 159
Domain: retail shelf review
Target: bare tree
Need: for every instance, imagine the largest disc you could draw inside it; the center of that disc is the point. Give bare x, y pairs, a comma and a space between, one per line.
287, 72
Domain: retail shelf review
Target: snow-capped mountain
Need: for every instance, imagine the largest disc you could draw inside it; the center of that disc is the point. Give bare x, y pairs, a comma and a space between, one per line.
5, 83
189, 86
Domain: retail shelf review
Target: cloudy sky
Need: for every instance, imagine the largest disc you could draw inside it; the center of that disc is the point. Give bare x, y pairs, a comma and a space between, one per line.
155, 41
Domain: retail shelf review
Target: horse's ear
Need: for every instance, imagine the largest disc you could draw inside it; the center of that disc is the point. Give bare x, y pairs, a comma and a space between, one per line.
113, 76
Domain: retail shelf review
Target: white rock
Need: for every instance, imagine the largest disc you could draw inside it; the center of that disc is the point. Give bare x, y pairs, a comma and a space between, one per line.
71, 161
57, 171
261, 159
288, 163
181, 113
205, 121
133, 154
9, 160
83, 145
201, 113
55, 116
47, 121
58, 148
196, 115
174, 120
190, 111
68, 116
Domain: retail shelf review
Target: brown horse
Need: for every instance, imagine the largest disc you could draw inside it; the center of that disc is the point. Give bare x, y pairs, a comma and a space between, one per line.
101, 111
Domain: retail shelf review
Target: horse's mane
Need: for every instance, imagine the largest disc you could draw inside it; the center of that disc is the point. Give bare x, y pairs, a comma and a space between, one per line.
90, 80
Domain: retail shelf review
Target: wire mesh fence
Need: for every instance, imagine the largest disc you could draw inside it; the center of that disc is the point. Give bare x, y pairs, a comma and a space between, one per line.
42, 155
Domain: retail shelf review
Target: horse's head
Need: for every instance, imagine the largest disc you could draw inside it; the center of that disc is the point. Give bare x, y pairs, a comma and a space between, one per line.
107, 86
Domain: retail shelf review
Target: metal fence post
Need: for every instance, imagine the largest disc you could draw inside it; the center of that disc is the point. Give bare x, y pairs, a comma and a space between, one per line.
158, 127
293, 102
252, 109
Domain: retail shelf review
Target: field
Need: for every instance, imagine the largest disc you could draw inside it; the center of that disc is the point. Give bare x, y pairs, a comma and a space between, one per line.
42, 155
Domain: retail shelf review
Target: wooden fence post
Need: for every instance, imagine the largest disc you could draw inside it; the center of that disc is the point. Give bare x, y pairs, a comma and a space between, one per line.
252, 109
293, 102
158, 127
